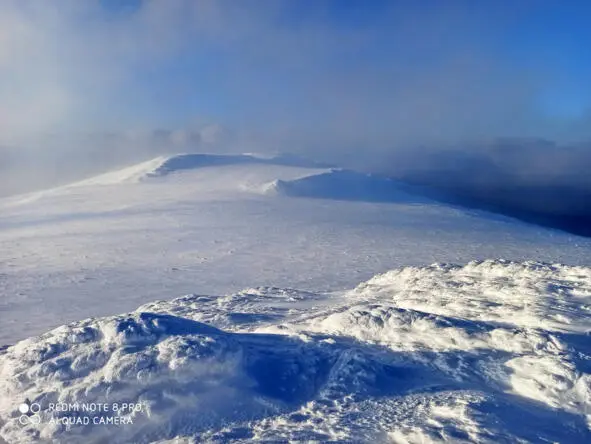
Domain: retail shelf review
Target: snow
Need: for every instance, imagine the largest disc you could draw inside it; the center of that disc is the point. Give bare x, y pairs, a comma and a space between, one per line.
275, 339
275, 364
218, 224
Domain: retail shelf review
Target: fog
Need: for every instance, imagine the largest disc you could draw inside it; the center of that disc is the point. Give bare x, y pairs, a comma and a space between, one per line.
423, 91
536, 180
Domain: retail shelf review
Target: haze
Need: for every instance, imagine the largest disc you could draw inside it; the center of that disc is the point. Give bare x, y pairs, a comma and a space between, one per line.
87, 86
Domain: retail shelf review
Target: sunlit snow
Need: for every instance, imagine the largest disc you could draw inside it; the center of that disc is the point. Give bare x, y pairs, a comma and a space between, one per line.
354, 366
276, 339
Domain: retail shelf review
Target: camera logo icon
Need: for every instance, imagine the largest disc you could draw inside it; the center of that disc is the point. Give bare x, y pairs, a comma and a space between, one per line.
29, 413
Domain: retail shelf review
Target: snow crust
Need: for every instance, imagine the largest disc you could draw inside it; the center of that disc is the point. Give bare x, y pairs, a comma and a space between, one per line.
165, 165
492, 351
217, 224
281, 343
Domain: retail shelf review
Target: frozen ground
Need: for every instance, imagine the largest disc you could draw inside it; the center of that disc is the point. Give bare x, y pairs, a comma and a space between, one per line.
217, 224
491, 352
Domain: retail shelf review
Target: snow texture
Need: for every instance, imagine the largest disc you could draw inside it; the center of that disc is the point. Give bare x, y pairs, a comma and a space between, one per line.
217, 224
493, 351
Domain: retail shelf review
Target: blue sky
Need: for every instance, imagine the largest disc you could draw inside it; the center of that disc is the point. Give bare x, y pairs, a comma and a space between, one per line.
376, 72
554, 38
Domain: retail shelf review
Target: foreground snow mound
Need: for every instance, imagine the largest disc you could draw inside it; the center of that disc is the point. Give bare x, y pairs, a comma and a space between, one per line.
184, 376
527, 294
489, 352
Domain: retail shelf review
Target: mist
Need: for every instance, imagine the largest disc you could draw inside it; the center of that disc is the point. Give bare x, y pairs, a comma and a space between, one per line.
423, 91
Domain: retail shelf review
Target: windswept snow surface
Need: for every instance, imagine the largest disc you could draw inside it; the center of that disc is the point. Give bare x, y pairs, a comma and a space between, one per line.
491, 352
216, 224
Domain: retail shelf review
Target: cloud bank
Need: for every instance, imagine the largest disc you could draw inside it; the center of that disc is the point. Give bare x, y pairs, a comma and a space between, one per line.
118, 80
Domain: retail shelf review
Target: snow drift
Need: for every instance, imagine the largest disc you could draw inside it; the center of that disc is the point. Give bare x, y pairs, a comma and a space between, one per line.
313, 179
493, 351
222, 223
347, 185
166, 165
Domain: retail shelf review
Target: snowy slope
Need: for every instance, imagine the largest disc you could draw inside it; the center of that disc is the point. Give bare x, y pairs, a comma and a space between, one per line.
491, 352
216, 224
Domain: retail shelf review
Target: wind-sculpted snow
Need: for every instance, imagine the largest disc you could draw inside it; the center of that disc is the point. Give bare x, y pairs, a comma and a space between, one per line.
528, 294
316, 180
219, 223
165, 165
347, 185
488, 352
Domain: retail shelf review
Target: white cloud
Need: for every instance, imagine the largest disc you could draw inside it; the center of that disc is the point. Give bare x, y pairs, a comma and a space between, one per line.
289, 76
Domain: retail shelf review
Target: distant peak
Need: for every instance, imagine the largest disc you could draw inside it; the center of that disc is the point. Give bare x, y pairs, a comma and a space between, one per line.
164, 165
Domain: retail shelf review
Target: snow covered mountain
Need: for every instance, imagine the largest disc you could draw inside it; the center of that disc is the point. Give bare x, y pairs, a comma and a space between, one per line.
492, 351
